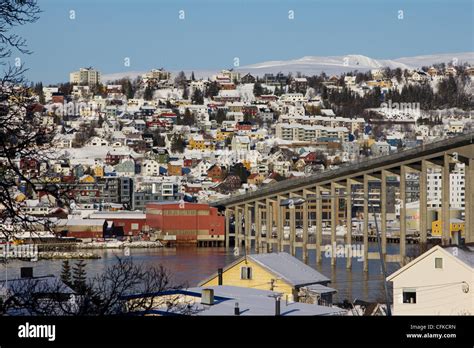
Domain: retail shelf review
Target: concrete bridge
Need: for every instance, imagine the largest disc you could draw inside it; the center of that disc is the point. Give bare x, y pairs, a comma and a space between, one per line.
267, 211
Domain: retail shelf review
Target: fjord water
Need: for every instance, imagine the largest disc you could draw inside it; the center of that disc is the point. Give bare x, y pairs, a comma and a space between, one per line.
190, 265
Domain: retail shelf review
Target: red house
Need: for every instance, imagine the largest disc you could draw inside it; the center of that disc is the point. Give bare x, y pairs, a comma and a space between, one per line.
250, 110
309, 157
244, 126
186, 222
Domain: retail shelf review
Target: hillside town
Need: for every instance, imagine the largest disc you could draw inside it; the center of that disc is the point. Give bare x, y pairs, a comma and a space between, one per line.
126, 150
164, 162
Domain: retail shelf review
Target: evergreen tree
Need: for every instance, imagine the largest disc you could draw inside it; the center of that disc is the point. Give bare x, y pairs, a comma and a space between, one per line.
128, 89
100, 121
257, 89
79, 276
221, 116
185, 92
212, 90
188, 119
197, 97
148, 95
177, 144
192, 76
66, 273
180, 80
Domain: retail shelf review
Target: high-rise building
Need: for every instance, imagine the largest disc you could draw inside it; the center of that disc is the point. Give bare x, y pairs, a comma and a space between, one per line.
456, 191
85, 76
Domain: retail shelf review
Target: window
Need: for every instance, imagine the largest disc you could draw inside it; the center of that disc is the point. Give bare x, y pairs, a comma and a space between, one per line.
246, 273
409, 295
134, 226
438, 262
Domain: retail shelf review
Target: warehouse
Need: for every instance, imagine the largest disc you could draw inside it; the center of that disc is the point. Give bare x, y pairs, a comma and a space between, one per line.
188, 223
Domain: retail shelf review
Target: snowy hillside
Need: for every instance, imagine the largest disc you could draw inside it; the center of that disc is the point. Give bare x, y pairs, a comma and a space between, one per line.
339, 64
330, 65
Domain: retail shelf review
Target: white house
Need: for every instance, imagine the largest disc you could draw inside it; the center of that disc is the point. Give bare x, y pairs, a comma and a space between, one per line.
150, 168
96, 141
438, 282
240, 143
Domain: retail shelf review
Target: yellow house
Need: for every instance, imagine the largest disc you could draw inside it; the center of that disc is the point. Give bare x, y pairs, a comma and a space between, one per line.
456, 225
87, 179
278, 272
247, 164
98, 171
223, 135
199, 143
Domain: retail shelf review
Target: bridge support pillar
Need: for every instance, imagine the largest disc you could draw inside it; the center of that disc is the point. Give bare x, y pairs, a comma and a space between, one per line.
348, 220
403, 225
469, 201
305, 229
366, 223
319, 224
383, 212
423, 206
292, 211
227, 213
445, 196
248, 227
258, 226
238, 227
269, 224
334, 202
280, 215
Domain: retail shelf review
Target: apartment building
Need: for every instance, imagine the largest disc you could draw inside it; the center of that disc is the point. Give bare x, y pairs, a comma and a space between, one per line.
299, 132
457, 191
85, 76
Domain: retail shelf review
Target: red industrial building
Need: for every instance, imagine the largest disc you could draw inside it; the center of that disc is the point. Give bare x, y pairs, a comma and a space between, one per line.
192, 223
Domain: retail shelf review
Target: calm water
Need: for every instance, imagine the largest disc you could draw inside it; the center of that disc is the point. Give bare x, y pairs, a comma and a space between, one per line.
190, 265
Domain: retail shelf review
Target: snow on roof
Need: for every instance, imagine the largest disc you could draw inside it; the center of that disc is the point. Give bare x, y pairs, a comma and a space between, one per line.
117, 215
176, 163
81, 222
328, 112
251, 302
320, 289
242, 139
465, 254
289, 268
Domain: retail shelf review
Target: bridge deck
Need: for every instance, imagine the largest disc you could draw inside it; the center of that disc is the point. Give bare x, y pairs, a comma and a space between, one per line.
352, 169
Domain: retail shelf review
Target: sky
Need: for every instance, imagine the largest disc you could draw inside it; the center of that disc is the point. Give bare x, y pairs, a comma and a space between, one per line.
150, 33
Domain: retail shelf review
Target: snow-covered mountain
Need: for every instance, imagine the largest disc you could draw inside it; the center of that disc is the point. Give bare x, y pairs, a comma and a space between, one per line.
330, 65
339, 64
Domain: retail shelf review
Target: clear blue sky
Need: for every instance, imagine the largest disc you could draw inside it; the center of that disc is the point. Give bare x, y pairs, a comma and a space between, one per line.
150, 33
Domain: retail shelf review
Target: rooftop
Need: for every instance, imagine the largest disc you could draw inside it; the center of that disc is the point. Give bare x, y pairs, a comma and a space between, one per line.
289, 268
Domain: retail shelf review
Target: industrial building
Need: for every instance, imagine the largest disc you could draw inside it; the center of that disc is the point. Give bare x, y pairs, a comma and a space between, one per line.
182, 222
